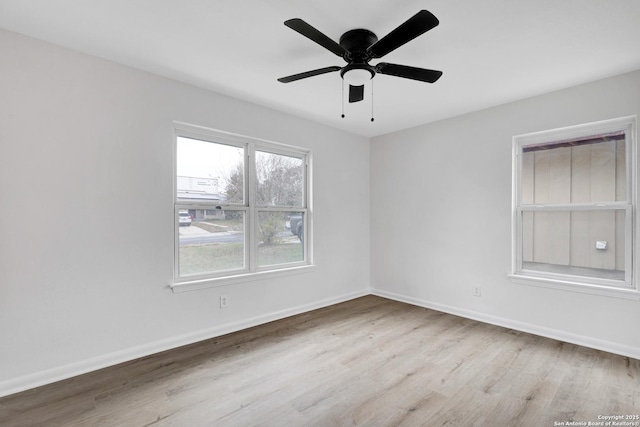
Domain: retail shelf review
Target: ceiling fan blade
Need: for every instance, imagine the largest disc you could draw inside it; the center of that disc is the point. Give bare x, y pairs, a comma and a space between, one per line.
421, 74
311, 33
311, 73
418, 24
356, 93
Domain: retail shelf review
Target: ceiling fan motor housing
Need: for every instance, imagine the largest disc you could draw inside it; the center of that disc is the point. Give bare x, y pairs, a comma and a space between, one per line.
356, 42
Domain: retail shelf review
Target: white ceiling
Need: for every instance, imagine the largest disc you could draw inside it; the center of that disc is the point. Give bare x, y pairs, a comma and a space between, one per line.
491, 51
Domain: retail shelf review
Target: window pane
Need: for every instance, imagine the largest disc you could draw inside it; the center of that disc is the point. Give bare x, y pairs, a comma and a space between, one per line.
587, 243
212, 241
589, 170
281, 236
209, 171
279, 180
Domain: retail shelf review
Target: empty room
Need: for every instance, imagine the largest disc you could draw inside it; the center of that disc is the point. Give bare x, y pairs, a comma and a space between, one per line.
337, 213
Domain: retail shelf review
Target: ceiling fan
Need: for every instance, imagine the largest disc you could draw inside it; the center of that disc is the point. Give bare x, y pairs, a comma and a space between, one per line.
357, 47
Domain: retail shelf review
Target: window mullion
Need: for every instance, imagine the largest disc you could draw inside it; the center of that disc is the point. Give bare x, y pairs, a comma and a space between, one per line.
281, 208
576, 206
252, 220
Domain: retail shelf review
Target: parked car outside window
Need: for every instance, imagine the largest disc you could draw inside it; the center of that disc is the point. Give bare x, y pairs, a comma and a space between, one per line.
184, 219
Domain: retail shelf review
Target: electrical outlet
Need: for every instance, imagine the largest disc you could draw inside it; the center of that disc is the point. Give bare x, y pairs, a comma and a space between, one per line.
224, 301
477, 291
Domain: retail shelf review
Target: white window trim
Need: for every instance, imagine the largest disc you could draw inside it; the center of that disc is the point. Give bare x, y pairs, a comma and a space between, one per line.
252, 271
603, 287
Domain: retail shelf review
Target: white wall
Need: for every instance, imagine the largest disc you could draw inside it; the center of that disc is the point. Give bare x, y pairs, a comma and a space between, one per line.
87, 224
441, 218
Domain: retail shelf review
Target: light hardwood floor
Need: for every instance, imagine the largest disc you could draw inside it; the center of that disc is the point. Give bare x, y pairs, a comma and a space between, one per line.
369, 361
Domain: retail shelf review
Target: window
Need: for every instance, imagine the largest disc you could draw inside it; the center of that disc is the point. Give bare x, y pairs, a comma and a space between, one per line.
241, 207
573, 207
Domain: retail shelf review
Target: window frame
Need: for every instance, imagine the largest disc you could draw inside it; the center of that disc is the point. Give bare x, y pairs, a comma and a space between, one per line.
586, 284
251, 270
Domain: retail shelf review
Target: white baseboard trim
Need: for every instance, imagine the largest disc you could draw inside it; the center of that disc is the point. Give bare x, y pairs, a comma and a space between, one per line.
585, 341
37, 379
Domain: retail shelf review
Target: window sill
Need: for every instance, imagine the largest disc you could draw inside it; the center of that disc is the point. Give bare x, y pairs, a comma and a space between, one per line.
585, 288
192, 285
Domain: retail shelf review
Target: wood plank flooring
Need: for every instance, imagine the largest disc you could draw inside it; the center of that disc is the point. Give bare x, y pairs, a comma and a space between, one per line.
369, 362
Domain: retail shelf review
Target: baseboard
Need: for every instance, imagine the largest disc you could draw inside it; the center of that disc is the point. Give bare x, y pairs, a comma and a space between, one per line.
581, 340
49, 376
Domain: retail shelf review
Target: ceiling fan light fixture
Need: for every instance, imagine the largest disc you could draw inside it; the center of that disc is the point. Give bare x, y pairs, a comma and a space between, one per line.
357, 76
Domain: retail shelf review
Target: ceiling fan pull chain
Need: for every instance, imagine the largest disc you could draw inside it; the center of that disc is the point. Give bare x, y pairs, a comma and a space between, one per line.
371, 100
342, 98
